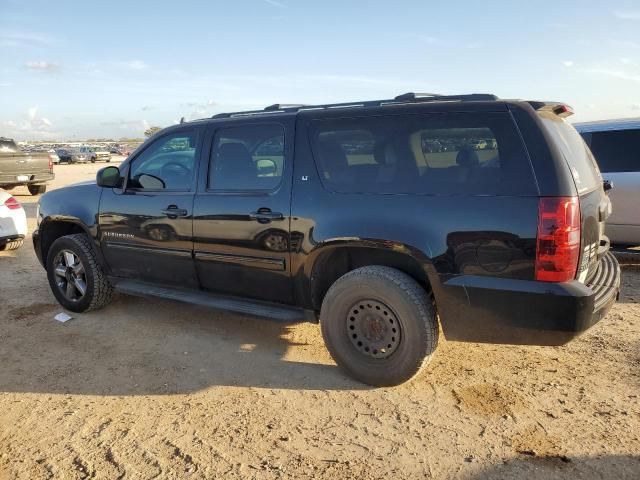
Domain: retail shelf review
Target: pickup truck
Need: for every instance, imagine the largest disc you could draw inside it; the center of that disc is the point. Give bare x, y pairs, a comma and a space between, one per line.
19, 168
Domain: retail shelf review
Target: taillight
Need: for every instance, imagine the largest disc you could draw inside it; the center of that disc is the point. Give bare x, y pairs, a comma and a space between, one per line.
558, 242
12, 204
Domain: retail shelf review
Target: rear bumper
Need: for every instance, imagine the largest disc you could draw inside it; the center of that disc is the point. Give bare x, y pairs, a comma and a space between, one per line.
12, 179
522, 312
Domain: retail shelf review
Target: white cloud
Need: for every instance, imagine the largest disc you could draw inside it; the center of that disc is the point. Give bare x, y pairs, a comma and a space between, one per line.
627, 61
627, 15
568, 63
134, 126
23, 39
42, 66
137, 65
624, 43
619, 74
429, 40
275, 3
30, 126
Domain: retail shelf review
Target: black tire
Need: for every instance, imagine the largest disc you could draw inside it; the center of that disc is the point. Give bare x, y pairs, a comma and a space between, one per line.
389, 298
37, 189
12, 244
98, 289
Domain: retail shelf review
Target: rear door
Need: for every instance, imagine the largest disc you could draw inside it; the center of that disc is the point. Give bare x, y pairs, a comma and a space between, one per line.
618, 155
595, 205
242, 210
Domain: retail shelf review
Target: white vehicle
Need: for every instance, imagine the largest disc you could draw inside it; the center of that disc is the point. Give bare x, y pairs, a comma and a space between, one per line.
13, 222
615, 145
55, 159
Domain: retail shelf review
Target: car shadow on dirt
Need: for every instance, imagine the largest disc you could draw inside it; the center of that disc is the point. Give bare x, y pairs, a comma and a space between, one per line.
533, 467
137, 346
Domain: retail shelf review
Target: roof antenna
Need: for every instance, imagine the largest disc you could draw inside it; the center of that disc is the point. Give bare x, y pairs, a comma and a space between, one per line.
182, 120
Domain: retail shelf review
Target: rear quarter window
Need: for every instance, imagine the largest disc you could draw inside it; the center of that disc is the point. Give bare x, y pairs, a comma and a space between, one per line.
582, 165
441, 154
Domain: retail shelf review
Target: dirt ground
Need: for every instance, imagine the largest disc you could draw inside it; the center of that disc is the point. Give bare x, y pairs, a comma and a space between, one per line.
153, 389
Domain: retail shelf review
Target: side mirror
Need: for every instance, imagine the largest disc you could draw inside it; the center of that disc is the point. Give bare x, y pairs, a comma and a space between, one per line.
109, 177
266, 167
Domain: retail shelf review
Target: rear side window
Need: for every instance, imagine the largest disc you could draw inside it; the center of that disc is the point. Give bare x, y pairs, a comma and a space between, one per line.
575, 151
247, 158
457, 153
617, 151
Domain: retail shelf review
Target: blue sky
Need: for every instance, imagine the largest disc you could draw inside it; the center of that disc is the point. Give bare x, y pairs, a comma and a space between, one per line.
109, 69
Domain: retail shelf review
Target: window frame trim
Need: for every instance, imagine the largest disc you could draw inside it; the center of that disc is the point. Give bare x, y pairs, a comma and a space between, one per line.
244, 192
194, 174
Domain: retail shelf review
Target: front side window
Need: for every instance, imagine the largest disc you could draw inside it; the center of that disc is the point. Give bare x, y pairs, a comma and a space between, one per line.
247, 158
617, 151
457, 153
166, 164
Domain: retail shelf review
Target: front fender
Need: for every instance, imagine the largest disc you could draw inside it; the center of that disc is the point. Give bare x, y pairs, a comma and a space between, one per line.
64, 211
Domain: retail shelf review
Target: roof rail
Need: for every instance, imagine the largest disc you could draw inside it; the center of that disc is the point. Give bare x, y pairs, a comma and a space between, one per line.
412, 96
400, 99
282, 106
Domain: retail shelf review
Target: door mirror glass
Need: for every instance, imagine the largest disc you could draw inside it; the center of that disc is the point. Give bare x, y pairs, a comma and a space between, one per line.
266, 167
109, 177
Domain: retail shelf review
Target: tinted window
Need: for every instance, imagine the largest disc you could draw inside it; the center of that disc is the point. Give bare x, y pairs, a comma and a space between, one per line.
166, 164
475, 154
249, 157
583, 166
617, 151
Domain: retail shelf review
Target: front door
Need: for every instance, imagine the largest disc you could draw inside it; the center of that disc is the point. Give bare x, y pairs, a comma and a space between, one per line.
242, 211
146, 230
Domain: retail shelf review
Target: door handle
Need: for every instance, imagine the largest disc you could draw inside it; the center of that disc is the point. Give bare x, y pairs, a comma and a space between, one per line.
265, 215
172, 211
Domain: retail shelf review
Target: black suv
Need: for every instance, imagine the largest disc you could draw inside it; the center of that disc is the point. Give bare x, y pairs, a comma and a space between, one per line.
384, 220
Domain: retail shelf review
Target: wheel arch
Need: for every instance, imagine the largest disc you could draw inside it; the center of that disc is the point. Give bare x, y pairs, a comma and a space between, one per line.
334, 259
51, 229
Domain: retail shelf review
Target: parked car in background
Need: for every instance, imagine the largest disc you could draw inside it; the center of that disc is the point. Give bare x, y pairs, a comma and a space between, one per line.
13, 222
89, 153
361, 226
72, 156
616, 147
33, 170
101, 154
54, 157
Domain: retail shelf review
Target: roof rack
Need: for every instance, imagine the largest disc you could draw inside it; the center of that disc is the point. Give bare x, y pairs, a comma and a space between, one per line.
405, 98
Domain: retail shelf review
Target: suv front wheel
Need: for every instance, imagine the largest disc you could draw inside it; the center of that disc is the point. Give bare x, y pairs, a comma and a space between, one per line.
75, 275
379, 325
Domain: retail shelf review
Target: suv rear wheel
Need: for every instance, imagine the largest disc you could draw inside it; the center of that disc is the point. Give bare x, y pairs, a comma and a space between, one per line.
75, 276
379, 325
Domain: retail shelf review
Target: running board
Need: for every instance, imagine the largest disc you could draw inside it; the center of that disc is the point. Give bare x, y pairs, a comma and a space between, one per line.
253, 308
